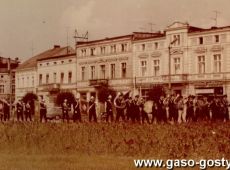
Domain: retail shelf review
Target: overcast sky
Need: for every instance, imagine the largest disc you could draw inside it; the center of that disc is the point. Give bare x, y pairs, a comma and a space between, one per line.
39, 24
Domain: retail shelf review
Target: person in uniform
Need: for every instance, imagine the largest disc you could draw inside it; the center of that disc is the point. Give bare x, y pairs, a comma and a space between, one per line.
6, 110
109, 109
76, 111
19, 109
65, 111
144, 115
92, 110
120, 105
129, 110
28, 111
43, 110
136, 109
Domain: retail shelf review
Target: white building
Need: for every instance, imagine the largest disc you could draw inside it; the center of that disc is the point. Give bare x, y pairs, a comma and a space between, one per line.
35, 74
200, 62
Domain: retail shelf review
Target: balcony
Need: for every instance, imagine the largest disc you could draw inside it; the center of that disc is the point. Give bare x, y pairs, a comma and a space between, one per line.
175, 78
54, 87
98, 82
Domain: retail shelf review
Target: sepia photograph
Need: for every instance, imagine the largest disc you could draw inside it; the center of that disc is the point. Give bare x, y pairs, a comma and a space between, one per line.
114, 84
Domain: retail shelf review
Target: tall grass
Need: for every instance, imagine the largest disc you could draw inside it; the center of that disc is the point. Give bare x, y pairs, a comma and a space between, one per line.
195, 141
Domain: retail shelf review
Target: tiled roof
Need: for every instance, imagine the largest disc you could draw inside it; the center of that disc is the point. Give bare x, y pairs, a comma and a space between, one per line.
54, 52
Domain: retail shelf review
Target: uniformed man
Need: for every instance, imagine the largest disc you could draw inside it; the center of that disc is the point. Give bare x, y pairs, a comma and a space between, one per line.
92, 109
19, 107
136, 108
76, 111
129, 110
144, 115
109, 109
43, 110
6, 109
120, 105
65, 110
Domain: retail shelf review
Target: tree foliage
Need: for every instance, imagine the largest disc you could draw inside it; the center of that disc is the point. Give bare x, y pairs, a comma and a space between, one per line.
156, 92
65, 95
104, 91
29, 97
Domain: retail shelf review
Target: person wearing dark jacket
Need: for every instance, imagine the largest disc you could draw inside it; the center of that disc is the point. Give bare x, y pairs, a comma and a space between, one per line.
65, 111
19, 109
109, 109
92, 110
43, 110
76, 111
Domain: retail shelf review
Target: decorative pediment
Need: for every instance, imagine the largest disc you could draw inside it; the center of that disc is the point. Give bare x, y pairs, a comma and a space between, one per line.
143, 56
176, 51
177, 25
156, 54
216, 48
200, 50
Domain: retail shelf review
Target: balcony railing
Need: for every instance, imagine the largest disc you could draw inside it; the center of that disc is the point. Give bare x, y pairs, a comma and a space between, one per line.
98, 82
54, 87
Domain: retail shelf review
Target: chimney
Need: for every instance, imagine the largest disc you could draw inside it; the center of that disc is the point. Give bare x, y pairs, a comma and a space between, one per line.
56, 46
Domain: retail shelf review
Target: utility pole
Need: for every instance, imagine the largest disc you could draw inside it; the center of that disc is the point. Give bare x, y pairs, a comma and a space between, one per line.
80, 37
10, 84
169, 66
151, 26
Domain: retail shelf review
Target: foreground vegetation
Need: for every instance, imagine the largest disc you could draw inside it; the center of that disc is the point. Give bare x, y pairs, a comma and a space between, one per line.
107, 146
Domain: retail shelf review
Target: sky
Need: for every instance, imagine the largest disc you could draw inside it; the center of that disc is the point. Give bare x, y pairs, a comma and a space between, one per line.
29, 27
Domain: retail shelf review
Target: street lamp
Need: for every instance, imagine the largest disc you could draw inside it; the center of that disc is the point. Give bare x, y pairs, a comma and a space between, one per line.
169, 66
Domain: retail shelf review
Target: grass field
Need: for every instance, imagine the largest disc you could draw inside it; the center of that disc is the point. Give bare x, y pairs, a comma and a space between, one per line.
107, 146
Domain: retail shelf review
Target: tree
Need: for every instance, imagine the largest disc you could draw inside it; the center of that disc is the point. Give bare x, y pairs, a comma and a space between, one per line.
65, 95
104, 91
156, 92
29, 97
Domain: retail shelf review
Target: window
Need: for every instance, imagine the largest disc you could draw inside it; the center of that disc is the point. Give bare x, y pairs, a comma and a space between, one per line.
92, 51
62, 78
40, 65
123, 70
70, 77
102, 50
217, 63
32, 81
47, 78
83, 73
217, 38
143, 68
27, 82
113, 49
40, 79
92, 72
201, 64
123, 47
112, 71
2, 76
13, 89
201, 40
55, 63
156, 67
83, 52
70, 60
62, 62
143, 47
55, 77
23, 85
1, 88
156, 45
176, 39
102, 71
177, 65
47, 64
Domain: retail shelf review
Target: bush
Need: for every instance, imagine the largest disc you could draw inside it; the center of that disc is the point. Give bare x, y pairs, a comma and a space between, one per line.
103, 93
65, 95
29, 97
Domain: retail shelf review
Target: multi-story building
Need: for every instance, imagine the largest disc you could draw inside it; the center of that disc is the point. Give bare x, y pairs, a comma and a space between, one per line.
7, 77
198, 60
47, 73
107, 61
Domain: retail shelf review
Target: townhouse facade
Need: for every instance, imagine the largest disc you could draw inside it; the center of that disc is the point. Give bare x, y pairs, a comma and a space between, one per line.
7, 77
47, 73
199, 60
107, 61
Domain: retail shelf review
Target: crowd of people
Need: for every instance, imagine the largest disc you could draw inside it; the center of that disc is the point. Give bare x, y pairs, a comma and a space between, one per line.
171, 108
